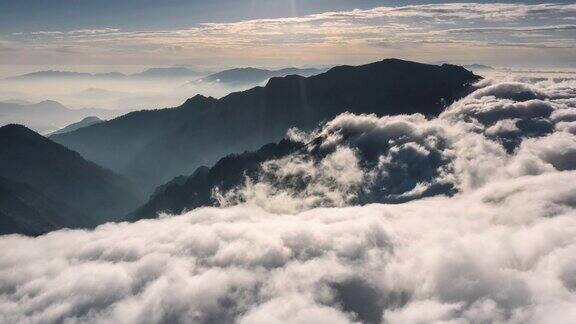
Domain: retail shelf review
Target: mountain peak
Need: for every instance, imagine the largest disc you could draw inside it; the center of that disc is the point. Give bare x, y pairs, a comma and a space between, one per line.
167, 72
50, 102
17, 130
198, 101
275, 81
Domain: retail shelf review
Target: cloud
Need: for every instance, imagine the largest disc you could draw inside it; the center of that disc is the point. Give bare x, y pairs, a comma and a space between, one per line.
500, 248
504, 253
349, 33
6, 49
513, 29
501, 130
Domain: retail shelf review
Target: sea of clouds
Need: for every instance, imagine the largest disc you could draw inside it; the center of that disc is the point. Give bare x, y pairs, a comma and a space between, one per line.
465, 218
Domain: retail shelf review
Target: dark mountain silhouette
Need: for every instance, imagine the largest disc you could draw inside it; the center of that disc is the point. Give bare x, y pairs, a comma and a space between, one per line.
48, 116
186, 193
90, 120
253, 76
64, 176
25, 210
152, 147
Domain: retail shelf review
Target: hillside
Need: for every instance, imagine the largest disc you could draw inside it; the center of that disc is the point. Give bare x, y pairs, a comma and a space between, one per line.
64, 176
152, 147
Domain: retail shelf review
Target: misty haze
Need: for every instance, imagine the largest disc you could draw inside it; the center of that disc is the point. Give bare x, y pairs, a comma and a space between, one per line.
292, 161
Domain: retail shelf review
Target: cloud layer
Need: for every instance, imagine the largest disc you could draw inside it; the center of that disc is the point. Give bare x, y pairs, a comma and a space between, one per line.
328, 37
500, 248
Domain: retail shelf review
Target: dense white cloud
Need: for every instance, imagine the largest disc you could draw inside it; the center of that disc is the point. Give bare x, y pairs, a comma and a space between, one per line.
501, 130
502, 249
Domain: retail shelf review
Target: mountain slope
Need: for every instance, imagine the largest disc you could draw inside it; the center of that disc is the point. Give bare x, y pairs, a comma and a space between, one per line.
90, 120
186, 193
25, 210
152, 147
63, 175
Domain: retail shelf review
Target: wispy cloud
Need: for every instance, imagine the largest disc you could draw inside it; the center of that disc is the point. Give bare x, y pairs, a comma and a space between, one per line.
330, 35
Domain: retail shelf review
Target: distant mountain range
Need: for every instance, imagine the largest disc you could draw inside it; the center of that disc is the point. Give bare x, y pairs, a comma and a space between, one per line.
167, 72
237, 76
478, 67
152, 147
48, 116
47, 186
51, 74
253, 76
164, 72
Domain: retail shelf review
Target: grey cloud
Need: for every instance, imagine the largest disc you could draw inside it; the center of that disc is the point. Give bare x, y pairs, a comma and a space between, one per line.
6, 49
511, 29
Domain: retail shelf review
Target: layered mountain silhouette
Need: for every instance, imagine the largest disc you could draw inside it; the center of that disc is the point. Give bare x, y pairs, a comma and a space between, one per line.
48, 116
52, 74
152, 147
167, 72
253, 76
88, 121
160, 72
49, 176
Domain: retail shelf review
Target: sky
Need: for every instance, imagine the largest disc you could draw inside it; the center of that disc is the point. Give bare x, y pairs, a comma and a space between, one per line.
124, 35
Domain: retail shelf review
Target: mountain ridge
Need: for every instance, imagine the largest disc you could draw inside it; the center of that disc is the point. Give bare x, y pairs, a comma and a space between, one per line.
85, 122
254, 76
152, 147
154, 72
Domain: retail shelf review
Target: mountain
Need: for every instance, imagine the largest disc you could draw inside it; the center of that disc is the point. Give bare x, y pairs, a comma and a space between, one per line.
64, 176
91, 120
162, 72
152, 147
253, 76
52, 74
471, 67
48, 116
186, 193
166, 72
16, 101
27, 211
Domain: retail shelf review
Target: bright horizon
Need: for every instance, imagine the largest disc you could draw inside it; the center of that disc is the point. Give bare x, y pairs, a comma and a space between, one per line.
499, 34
